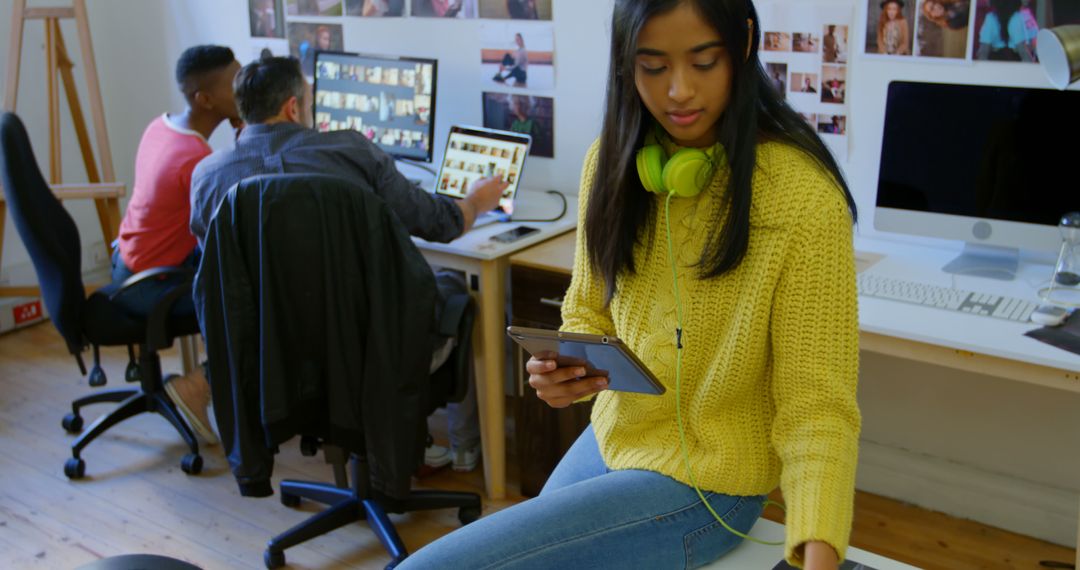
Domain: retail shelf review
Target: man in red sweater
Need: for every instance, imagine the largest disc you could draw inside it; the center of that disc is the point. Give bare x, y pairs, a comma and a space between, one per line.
154, 232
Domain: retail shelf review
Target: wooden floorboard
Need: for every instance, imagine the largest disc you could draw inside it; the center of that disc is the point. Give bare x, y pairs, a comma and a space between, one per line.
135, 498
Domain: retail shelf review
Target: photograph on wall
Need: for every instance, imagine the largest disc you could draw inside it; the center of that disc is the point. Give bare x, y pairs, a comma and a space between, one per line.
264, 47
811, 50
516, 9
889, 27
463, 9
517, 55
831, 124
833, 83
313, 7
777, 41
306, 39
942, 29
1005, 30
834, 44
375, 8
805, 43
267, 18
534, 116
777, 73
804, 83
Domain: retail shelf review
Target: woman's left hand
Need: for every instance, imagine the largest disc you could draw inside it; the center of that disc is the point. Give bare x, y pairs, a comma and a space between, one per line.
819, 556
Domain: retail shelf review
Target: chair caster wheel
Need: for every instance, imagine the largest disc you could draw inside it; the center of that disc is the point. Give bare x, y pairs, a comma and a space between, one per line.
274, 559
290, 500
131, 374
467, 515
74, 468
191, 464
73, 423
97, 377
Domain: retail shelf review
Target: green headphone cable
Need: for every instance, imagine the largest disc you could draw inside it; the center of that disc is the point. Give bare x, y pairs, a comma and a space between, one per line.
678, 378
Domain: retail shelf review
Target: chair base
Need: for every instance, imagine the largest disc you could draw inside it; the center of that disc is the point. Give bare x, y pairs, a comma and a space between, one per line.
150, 398
356, 504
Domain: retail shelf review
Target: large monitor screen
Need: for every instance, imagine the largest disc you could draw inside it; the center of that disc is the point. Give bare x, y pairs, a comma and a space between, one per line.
391, 100
994, 153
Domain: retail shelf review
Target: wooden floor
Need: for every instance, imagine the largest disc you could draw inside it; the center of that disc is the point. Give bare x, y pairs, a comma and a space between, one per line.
135, 499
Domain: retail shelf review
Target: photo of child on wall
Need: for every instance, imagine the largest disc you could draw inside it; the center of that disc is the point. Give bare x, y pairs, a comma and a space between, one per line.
942, 29
534, 116
832, 124
888, 27
803, 83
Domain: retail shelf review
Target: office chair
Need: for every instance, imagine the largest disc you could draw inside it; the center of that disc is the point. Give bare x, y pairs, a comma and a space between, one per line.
317, 309
358, 502
52, 240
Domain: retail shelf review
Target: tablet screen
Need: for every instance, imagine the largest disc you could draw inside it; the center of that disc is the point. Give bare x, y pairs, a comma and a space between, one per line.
474, 153
605, 360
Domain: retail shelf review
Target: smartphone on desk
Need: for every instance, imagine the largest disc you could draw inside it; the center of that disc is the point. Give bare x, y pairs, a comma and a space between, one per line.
514, 234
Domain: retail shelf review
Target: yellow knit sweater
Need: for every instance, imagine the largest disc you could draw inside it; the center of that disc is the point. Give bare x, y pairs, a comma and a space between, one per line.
770, 358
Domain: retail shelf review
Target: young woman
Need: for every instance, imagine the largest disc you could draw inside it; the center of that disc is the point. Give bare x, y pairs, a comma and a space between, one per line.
756, 344
893, 32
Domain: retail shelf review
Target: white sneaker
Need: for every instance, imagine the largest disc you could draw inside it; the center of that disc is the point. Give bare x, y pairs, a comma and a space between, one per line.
466, 459
436, 456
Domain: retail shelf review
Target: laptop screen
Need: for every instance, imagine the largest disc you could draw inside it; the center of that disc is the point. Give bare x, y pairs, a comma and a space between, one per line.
473, 153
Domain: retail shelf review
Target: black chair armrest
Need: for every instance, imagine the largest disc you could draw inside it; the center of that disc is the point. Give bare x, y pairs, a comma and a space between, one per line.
153, 273
461, 310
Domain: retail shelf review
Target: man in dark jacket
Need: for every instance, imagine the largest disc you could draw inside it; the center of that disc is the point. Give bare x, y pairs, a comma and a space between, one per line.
272, 97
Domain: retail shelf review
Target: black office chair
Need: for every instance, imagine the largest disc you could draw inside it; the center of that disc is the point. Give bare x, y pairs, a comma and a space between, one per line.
358, 502
52, 240
313, 293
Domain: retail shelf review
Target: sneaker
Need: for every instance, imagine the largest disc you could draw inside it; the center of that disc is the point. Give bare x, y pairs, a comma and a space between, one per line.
466, 459
191, 394
436, 456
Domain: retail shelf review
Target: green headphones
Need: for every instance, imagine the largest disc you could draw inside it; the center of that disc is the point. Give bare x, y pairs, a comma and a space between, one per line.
685, 174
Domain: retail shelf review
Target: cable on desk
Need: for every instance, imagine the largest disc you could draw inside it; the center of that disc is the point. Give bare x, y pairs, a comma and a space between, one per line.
556, 218
419, 165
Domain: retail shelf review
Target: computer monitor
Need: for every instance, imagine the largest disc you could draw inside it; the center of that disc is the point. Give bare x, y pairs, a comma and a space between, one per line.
995, 167
391, 100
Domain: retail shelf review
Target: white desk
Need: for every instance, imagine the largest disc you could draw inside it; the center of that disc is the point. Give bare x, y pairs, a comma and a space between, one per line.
485, 265
753, 555
983, 345
947, 338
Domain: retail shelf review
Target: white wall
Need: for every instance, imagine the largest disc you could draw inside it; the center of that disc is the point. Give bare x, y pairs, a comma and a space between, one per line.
962, 427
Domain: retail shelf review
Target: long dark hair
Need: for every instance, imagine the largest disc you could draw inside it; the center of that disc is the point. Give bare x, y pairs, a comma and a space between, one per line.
619, 207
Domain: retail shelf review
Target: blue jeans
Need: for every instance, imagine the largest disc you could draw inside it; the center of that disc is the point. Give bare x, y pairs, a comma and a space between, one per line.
140, 299
589, 516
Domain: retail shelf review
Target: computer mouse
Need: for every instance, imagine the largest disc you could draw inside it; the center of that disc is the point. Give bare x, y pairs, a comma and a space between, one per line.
1049, 315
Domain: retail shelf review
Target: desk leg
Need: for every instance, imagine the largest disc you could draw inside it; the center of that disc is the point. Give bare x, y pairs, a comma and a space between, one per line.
490, 367
189, 353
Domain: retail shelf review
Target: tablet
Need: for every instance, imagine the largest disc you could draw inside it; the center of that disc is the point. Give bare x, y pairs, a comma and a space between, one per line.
600, 355
473, 153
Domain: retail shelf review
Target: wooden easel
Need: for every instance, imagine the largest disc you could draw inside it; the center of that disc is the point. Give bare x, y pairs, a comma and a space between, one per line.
100, 187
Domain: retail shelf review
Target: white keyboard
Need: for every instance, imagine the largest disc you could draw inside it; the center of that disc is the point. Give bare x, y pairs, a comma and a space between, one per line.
927, 295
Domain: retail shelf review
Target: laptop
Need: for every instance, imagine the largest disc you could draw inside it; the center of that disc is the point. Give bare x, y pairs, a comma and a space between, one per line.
473, 153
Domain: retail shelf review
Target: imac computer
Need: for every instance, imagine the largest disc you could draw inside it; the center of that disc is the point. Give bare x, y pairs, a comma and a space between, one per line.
995, 167
390, 100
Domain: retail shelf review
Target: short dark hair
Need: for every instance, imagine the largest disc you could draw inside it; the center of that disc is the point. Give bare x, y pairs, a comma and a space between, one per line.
264, 85
196, 62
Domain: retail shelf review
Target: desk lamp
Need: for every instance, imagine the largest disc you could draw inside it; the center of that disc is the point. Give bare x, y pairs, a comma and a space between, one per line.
1059, 53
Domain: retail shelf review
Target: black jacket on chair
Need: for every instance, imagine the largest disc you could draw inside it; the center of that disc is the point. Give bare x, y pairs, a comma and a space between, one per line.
318, 314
